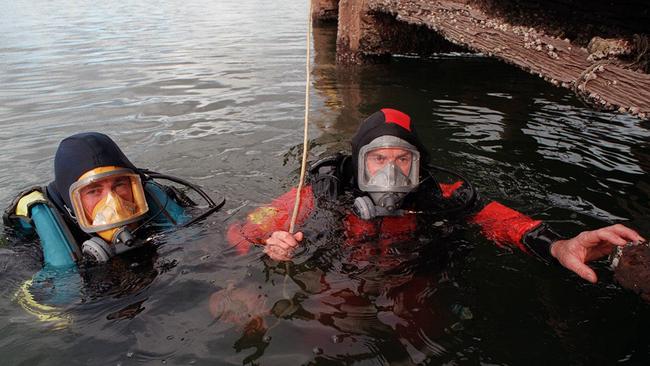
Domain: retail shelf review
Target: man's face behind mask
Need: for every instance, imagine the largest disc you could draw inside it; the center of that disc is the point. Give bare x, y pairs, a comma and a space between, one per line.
388, 164
107, 193
108, 199
389, 167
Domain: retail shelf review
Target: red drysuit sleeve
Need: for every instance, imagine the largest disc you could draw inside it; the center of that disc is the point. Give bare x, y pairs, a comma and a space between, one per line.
504, 225
261, 222
501, 224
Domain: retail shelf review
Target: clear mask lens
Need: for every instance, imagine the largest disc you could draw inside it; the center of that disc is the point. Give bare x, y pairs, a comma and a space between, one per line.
388, 164
108, 199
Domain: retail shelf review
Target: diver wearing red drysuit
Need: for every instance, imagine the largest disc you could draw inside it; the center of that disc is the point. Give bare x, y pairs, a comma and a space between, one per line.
392, 184
381, 200
332, 177
502, 224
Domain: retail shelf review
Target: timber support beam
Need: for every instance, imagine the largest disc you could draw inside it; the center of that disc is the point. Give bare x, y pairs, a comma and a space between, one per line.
608, 73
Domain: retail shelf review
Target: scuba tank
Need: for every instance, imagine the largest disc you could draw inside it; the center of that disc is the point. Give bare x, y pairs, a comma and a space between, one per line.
33, 211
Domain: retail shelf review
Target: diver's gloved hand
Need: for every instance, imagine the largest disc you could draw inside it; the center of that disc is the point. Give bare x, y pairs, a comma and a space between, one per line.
590, 245
281, 244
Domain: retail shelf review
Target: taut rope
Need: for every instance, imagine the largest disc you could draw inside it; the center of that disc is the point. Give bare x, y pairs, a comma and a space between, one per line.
305, 143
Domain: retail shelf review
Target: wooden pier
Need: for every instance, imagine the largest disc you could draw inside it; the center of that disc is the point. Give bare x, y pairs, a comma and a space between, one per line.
609, 72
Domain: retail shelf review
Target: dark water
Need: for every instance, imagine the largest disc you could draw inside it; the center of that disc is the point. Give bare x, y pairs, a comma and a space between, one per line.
213, 92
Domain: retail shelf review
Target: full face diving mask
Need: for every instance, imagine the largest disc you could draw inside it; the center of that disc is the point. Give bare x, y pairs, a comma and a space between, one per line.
106, 200
389, 168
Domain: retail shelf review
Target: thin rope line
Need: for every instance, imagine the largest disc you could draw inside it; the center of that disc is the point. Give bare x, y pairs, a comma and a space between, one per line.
305, 142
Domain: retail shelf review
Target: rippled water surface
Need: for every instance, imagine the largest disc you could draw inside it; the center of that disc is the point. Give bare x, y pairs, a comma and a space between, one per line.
213, 91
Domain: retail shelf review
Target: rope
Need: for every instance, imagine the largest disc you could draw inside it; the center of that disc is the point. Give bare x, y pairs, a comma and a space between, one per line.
305, 142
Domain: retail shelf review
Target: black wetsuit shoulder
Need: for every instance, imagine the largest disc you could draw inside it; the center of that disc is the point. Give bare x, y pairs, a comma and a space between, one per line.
331, 177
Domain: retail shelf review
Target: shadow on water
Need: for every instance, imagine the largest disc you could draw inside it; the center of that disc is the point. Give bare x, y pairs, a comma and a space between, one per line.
221, 109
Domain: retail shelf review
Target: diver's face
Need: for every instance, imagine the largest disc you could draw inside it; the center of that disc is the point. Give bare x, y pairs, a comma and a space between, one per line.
95, 192
379, 158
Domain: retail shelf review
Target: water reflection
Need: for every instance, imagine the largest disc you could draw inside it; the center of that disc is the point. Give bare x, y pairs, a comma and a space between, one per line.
341, 302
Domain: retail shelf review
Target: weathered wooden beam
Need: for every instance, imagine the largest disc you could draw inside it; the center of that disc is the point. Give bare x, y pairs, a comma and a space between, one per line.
324, 10
353, 26
604, 83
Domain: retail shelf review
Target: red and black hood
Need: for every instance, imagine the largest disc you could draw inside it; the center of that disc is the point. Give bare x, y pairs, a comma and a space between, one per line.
386, 122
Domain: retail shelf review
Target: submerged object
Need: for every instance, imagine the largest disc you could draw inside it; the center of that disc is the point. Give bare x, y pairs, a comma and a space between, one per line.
631, 265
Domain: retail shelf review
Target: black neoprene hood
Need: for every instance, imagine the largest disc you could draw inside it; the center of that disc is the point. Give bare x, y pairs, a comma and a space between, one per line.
79, 154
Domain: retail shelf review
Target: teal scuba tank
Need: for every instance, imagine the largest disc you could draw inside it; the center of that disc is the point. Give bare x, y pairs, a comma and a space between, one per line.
32, 211
59, 248
164, 211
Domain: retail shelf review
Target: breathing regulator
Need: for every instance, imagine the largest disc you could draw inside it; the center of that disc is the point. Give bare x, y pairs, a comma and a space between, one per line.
98, 250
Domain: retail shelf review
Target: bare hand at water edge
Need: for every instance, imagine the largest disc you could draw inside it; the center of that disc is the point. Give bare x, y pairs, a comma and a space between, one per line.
590, 245
281, 244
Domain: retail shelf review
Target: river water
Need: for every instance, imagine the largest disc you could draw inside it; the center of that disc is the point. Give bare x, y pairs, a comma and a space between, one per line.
213, 91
